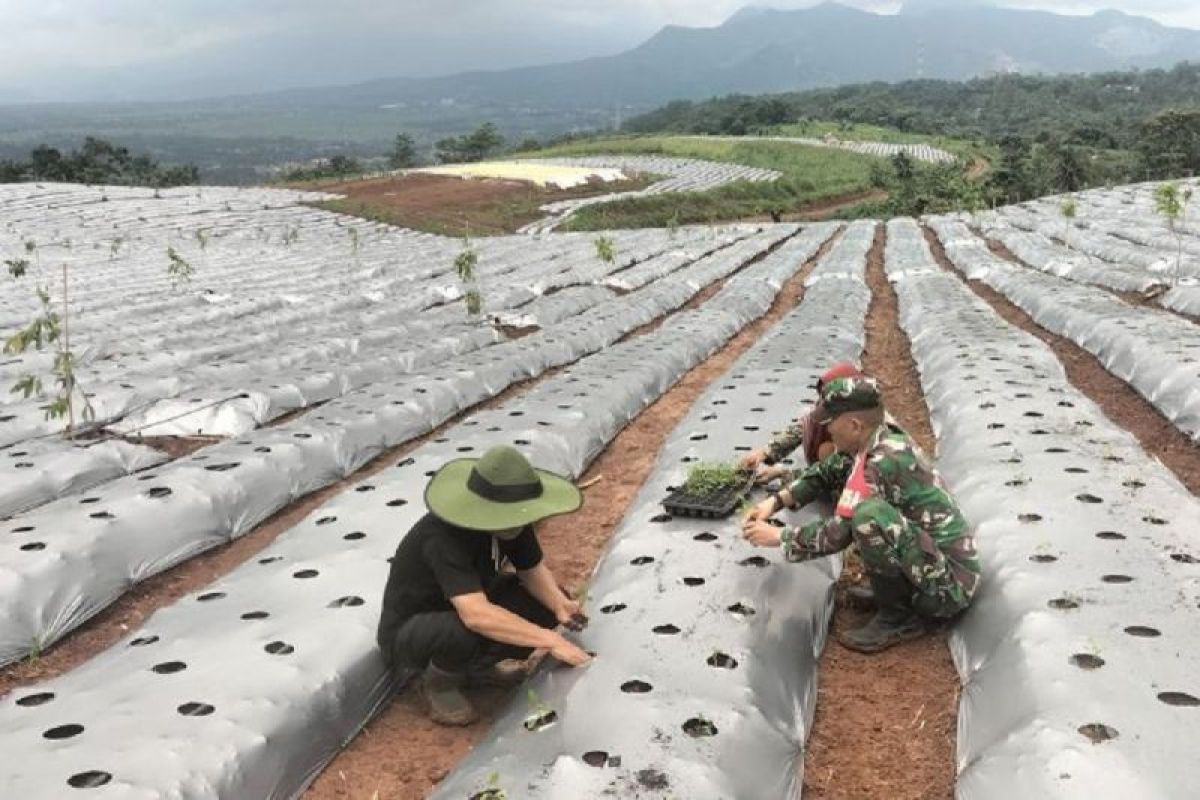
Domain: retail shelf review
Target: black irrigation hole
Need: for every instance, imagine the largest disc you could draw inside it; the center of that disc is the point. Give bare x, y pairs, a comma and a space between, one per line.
103, 515
1143, 631
661, 518
279, 648
613, 608
641, 561
1057, 450
87, 501
39, 699
195, 709
64, 731
705, 537
1075, 470
1184, 558
699, 726
1117, 578
209, 596
741, 610
541, 721
666, 630
349, 601
595, 758
1155, 520
169, 667
1030, 517
142, 641
326, 520
1111, 536
1042, 558
1178, 699
305, 573
399, 501
408, 462
253, 615
1133, 484
156, 492
1063, 603
1016, 482
354, 536
33, 547
1098, 732
222, 467
636, 687
91, 779
1088, 498
365, 488
1086, 661
755, 561
722, 661
693, 581
270, 559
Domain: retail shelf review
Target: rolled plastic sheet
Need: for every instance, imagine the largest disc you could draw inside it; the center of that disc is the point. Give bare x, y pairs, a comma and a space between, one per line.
1152, 350
250, 686
1079, 656
65, 561
704, 682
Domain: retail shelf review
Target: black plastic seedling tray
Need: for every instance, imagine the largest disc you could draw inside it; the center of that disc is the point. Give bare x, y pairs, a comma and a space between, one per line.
681, 503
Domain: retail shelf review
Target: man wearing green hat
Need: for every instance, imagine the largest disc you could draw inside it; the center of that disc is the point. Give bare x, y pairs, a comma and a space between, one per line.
450, 611
916, 547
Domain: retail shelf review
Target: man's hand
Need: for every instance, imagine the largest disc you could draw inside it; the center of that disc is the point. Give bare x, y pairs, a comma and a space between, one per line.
753, 459
761, 534
761, 512
768, 474
569, 654
570, 614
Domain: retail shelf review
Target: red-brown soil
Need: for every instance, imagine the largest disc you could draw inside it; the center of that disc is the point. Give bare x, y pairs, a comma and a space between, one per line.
885, 723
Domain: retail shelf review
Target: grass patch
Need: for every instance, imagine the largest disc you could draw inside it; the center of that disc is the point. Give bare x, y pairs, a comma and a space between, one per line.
811, 175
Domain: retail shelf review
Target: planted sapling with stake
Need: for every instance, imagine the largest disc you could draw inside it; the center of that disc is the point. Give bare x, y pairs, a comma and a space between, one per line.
1069, 208
464, 267
1171, 202
178, 268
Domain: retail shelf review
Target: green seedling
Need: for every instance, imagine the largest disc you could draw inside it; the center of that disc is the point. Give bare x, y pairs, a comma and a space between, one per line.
178, 268
708, 478
604, 249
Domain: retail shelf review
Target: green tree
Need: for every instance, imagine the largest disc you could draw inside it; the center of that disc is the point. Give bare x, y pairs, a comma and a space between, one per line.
1169, 143
1171, 203
404, 152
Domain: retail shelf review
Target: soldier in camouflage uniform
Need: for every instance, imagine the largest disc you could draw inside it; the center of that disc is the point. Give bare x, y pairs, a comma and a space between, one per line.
915, 544
807, 433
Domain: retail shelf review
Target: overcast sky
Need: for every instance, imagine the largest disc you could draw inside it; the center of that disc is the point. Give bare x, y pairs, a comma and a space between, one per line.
136, 49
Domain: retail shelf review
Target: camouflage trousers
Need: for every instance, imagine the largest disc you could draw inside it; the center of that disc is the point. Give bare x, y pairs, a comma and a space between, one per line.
890, 545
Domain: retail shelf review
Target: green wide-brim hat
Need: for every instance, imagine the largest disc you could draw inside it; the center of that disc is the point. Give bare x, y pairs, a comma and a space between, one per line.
501, 490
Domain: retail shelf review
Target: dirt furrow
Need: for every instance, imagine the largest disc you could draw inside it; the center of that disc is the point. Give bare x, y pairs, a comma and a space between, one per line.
885, 723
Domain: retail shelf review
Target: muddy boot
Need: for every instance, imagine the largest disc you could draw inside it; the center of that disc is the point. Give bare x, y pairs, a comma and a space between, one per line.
893, 623
443, 692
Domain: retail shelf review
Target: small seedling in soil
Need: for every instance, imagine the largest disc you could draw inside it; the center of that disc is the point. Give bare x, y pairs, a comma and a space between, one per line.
541, 715
178, 268
604, 249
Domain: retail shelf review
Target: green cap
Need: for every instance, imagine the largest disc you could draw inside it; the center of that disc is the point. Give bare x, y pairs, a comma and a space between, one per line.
499, 491
849, 394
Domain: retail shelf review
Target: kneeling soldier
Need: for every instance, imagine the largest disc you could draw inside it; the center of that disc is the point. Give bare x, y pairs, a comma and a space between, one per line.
915, 545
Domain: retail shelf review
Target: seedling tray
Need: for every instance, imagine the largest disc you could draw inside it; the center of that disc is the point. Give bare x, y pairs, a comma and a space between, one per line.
715, 505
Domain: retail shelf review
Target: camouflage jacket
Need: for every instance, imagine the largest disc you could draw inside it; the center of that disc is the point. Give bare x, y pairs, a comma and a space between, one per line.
899, 473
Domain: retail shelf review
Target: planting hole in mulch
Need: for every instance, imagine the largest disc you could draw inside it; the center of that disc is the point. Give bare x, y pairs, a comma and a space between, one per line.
1143, 631
741, 610
1098, 732
91, 779
722, 661
636, 687
699, 726
652, 779
1086, 661
595, 758
1178, 699
541, 721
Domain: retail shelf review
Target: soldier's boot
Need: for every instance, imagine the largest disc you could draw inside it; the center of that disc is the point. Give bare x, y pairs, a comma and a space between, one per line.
894, 622
442, 691
860, 597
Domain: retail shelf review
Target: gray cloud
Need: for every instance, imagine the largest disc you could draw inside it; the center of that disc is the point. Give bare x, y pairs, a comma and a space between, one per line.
129, 49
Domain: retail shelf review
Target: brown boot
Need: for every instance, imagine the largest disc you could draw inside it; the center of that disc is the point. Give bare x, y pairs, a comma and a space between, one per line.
442, 691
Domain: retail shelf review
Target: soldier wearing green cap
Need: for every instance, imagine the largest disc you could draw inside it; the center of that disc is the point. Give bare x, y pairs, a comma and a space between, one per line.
916, 547
451, 611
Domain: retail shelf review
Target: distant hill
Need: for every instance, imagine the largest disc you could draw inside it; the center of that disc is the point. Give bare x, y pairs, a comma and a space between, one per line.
755, 51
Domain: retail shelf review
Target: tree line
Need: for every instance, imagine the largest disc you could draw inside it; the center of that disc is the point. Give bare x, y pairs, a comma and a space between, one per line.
96, 161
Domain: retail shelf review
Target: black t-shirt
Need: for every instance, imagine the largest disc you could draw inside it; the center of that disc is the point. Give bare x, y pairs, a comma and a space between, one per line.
437, 561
